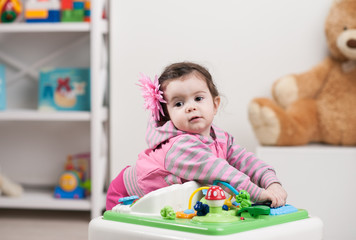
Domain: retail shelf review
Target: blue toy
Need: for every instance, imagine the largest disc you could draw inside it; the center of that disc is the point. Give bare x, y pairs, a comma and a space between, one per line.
69, 186
128, 200
283, 210
201, 208
74, 182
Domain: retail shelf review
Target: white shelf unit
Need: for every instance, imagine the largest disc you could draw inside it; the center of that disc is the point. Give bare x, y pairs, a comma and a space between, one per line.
97, 119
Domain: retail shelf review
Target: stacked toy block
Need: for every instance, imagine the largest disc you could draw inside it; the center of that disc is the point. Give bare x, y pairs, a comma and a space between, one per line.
42, 11
57, 11
75, 10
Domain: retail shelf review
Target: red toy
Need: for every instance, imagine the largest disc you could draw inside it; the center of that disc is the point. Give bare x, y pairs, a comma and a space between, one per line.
10, 10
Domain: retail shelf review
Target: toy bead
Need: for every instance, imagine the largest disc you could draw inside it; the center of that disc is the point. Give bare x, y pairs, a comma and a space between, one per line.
201, 208
168, 213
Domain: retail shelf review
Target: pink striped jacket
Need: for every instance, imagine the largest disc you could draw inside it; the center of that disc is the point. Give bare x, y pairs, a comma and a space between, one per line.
175, 157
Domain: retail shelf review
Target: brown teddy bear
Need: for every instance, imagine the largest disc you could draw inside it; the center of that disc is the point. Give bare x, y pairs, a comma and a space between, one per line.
318, 105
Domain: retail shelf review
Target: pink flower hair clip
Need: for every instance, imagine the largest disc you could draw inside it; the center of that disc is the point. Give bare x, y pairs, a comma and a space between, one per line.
152, 95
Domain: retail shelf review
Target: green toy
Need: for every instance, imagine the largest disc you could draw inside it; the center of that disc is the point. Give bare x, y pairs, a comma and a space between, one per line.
244, 199
168, 213
255, 211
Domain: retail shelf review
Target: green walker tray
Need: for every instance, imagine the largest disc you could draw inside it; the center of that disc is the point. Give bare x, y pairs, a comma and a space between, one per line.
147, 211
186, 225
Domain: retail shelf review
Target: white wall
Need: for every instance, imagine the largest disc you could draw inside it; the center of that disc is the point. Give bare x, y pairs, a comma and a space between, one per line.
246, 45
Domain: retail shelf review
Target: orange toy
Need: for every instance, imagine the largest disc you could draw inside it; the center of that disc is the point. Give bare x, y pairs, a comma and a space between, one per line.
181, 214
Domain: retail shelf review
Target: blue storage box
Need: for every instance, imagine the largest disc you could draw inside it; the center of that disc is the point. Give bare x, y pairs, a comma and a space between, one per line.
2, 88
64, 89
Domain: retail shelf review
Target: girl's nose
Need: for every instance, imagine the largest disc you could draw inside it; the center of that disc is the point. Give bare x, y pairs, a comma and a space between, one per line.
191, 107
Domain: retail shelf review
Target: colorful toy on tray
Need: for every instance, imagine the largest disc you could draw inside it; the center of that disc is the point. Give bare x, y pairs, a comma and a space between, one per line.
214, 212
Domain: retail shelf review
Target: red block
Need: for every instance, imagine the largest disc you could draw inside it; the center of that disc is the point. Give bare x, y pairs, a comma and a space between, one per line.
67, 4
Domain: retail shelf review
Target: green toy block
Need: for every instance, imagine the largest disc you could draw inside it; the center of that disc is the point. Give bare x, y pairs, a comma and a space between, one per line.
76, 15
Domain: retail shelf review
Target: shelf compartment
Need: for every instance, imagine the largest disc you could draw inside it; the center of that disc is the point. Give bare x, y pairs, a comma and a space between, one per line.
37, 198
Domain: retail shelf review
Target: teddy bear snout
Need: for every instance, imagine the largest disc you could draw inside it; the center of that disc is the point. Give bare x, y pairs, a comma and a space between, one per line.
351, 43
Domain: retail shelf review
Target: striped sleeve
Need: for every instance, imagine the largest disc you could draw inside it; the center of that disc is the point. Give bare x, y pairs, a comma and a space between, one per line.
190, 159
259, 172
130, 180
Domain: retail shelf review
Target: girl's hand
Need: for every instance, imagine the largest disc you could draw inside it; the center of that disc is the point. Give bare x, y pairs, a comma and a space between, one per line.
265, 196
279, 195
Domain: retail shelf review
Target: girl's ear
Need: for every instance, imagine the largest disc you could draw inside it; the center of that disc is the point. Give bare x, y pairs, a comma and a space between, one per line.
216, 100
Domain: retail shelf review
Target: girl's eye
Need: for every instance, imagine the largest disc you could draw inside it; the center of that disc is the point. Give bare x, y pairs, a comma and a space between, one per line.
178, 104
345, 28
198, 99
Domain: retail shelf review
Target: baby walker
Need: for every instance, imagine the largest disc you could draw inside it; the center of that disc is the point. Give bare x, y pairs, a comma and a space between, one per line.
169, 213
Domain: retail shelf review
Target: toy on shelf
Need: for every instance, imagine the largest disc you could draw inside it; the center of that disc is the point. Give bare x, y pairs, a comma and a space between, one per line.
215, 211
10, 10
9, 188
87, 12
74, 182
64, 89
42, 11
75, 10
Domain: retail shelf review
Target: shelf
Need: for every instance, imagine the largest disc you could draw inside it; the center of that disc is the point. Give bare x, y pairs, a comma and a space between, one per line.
50, 27
35, 115
95, 121
43, 199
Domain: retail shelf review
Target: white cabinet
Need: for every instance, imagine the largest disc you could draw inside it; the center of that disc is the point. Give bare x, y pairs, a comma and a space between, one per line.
34, 144
320, 179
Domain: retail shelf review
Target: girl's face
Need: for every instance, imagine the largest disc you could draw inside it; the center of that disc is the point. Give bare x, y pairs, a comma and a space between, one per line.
190, 104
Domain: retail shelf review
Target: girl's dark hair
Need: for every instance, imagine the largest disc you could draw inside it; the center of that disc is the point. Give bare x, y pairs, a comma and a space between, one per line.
178, 70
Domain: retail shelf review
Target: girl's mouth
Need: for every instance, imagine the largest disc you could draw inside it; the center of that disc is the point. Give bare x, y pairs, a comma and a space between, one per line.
194, 118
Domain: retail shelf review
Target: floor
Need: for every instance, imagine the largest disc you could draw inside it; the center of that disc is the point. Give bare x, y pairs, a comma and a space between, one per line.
43, 224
